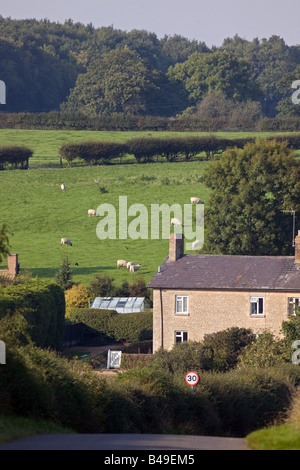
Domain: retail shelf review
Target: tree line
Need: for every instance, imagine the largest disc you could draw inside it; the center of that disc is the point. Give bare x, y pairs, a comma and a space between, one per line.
83, 70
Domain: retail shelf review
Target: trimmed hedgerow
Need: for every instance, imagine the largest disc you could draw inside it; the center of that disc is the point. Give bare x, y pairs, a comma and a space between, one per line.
15, 157
42, 303
112, 325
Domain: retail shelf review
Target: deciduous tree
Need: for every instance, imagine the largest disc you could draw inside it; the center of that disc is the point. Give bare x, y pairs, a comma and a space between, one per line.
250, 190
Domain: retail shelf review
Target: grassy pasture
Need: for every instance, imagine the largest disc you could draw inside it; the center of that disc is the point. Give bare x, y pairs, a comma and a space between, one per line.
39, 214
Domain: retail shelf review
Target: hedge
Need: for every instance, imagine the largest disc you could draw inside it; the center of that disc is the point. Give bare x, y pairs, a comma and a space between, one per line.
114, 326
42, 303
126, 122
92, 153
149, 149
14, 157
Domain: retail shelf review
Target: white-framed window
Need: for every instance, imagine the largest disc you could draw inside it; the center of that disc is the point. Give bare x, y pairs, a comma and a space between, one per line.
182, 304
293, 305
256, 306
181, 336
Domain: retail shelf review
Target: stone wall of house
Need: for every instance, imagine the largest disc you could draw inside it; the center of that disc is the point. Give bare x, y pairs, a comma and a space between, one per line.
212, 311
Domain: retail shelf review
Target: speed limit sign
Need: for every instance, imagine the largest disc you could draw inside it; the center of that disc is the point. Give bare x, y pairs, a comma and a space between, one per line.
192, 378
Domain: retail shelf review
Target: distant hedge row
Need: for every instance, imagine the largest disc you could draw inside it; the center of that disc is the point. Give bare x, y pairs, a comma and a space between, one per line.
14, 157
147, 150
42, 303
126, 122
113, 326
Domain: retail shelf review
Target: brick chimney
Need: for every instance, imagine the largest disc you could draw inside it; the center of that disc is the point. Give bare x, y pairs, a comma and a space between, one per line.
13, 265
297, 248
176, 247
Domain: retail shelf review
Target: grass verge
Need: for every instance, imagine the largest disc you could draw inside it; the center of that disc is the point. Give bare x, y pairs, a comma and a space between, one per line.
283, 437
13, 428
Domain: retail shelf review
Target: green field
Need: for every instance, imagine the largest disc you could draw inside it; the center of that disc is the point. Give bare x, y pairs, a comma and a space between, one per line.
39, 214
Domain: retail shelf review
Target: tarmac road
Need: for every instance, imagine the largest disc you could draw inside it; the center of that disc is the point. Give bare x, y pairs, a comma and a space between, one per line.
126, 442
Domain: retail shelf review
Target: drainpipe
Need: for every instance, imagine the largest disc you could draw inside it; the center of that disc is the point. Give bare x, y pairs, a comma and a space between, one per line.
162, 319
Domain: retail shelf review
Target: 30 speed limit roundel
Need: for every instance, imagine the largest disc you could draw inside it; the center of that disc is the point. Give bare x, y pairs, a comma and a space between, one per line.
192, 378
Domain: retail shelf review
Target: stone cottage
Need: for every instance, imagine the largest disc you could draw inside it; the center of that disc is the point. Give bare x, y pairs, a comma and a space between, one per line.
199, 294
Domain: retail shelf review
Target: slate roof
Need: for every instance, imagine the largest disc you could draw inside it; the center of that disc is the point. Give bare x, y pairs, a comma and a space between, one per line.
229, 272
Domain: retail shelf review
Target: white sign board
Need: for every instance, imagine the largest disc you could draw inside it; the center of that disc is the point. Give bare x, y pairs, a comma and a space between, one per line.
192, 378
114, 359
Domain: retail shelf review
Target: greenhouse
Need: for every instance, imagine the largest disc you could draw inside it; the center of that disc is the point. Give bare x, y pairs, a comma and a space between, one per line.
120, 304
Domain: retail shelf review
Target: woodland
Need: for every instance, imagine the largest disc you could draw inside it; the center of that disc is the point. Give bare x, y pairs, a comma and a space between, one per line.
76, 68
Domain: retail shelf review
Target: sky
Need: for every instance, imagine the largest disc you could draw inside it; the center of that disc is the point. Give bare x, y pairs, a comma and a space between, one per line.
210, 21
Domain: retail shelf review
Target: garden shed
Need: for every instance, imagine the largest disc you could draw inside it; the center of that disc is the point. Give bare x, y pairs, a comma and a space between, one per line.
120, 304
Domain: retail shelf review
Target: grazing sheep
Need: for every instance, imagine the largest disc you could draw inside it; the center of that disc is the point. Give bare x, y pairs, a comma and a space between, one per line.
92, 212
63, 187
196, 200
176, 222
121, 262
65, 241
130, 263
135, 267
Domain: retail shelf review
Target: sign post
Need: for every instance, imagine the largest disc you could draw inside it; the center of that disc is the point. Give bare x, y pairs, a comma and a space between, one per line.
192, 378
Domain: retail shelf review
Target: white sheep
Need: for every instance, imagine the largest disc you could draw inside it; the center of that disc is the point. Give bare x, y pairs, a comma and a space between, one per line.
121, 262
65, 241
196, 200
130, 263
92, 212
63, 187
135, 267
175, 221
196, 245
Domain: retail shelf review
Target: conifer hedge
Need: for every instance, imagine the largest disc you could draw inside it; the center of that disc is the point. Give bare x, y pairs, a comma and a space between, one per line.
114, 326
42, 303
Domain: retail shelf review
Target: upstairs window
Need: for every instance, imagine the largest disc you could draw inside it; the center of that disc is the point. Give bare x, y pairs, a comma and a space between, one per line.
257, 306
181, 304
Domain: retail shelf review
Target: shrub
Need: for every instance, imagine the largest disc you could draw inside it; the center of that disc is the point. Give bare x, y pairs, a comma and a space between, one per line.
217, 352
114, 326
15, 157
92, 153
102, 286
221, 350
265, 351
42, 303
77, 296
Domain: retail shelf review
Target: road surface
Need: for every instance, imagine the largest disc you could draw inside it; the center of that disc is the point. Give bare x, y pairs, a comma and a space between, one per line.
157, 442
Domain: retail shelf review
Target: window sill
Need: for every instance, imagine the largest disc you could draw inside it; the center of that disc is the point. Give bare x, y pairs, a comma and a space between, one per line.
182, 314
257, 315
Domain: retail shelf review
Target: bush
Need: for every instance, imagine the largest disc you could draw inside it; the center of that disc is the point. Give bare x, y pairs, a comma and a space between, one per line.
15, 157
92, 153
221, 350
265, 351
115, 326
77, 296
217, 352
42, 303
